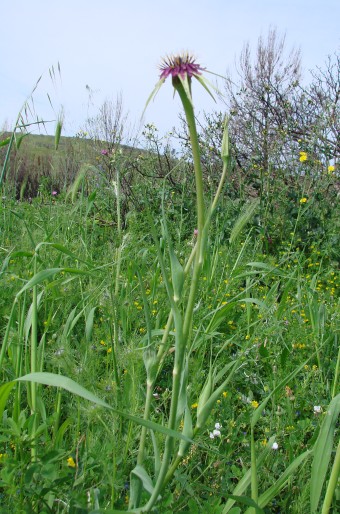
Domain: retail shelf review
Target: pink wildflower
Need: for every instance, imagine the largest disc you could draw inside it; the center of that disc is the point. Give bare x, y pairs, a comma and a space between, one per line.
180, 65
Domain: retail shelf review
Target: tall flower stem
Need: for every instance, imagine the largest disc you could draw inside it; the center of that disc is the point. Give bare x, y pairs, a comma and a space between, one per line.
183, 326
190, 118
182, 68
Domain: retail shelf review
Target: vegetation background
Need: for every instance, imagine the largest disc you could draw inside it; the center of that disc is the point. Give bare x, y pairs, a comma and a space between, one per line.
83, 295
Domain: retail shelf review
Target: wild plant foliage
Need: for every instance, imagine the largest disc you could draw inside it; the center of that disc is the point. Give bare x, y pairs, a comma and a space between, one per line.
169, 327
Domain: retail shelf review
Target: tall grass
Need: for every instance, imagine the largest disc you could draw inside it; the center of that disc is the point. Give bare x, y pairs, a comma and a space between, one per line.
209, 366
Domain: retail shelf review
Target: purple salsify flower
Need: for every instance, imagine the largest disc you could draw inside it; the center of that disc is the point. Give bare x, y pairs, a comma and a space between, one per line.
181, 69
104, 152
180, 65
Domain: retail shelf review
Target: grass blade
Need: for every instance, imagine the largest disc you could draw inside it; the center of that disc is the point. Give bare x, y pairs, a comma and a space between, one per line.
322, 452
51, 379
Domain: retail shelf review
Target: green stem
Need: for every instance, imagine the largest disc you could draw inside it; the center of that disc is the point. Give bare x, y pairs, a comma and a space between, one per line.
336, 374
333, 480
57, 414
190, 118
178, 460
5, 164
119, 219
147, 408
19, 361
254, 480
169, 443
34, 358
7, 333
183, 328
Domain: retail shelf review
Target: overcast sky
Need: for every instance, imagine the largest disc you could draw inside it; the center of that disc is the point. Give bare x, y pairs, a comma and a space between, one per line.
116, 46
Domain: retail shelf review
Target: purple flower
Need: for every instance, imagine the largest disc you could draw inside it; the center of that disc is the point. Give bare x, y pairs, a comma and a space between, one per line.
180, 65
54, 193
181, 68
104, 152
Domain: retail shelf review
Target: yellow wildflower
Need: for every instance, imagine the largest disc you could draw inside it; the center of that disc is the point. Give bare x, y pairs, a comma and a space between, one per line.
194, 405
71, 463
303, 156
331, 169
254, 404
303, 200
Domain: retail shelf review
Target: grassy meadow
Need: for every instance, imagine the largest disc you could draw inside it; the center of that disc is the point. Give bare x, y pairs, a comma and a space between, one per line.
151, 365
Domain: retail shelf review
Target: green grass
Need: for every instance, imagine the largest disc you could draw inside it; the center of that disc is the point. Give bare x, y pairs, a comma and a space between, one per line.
139, 371
275, 314
166, 347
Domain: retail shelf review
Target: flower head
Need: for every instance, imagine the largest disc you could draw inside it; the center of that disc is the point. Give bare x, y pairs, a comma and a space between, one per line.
181, 68
180, 65
275, 446
54, 193
331, 169
303, 156
303, 200
71, 463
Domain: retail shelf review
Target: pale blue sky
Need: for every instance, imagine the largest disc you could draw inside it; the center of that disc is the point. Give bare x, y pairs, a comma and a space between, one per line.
116, 46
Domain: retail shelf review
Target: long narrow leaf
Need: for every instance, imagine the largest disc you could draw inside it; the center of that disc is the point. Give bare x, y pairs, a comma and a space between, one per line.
244, 483
322, 452
73, 387
266, 497
5, 391
43, 275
